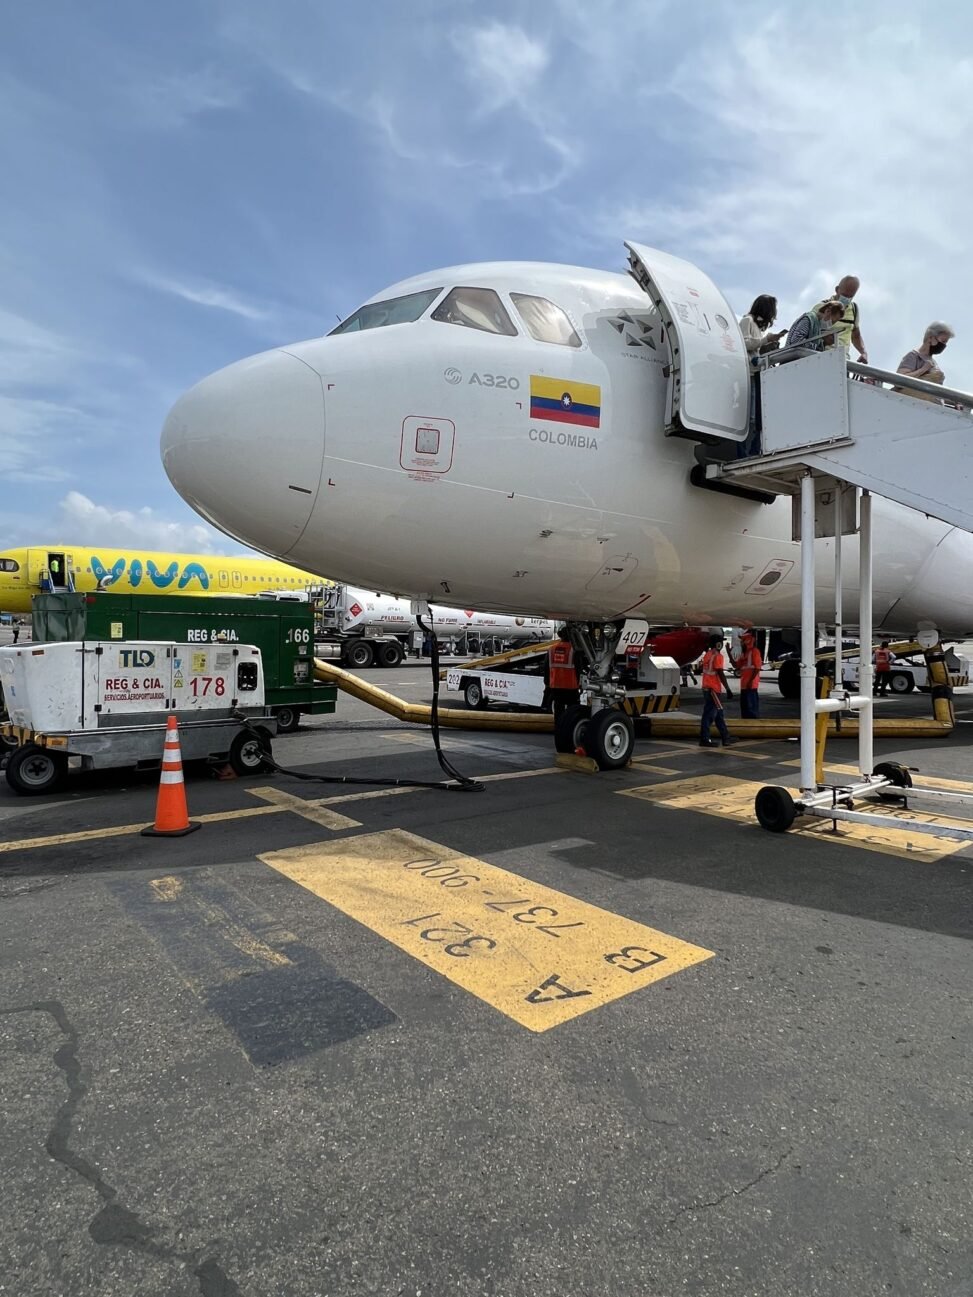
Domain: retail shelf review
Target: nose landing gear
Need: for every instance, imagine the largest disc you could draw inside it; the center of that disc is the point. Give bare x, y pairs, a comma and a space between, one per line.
600, 729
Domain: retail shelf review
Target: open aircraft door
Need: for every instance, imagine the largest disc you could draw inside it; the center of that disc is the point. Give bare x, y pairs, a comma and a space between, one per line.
709, 379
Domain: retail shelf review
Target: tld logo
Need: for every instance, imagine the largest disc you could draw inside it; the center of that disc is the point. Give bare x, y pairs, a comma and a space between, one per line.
137, 658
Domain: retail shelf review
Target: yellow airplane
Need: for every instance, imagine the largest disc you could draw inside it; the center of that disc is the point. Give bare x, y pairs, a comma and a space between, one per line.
36, 570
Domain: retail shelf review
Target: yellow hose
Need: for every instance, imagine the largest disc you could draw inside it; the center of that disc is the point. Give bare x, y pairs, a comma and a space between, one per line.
664, 726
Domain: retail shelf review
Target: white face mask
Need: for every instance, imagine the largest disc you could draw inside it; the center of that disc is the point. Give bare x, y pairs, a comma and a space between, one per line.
844, 299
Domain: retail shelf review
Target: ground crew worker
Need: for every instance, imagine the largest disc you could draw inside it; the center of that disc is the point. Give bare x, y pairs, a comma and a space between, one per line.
16, 631
714, 686
882, 661
748, 664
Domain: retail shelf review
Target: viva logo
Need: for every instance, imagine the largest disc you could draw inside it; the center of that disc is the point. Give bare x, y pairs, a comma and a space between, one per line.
162, 580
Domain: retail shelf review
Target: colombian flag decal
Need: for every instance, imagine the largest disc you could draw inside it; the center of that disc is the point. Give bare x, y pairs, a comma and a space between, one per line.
562, 400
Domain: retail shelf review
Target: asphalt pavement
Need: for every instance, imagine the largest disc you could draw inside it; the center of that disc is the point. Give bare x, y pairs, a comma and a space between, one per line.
564, 1034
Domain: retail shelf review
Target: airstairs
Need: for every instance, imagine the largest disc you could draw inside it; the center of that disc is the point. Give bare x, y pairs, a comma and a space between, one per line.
898, 437
816, 426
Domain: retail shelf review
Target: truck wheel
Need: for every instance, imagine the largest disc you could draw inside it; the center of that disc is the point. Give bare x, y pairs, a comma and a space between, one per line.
32, 770
570, 727
473, 694
248, 753
901, 682
390, 654
789, 678
610, 738
288, 719
359, 654
775, 809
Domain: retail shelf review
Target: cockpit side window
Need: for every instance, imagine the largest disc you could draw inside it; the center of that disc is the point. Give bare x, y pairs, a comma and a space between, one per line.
395, 310
9, 565
545, 321
475, 308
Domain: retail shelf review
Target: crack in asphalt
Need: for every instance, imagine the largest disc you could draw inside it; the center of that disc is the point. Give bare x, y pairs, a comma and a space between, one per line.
732, 1192
113, 1223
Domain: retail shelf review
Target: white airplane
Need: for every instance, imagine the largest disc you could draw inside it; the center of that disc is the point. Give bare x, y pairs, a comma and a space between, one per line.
498, 436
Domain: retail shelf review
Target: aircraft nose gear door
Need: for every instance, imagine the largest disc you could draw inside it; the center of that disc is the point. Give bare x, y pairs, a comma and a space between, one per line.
709, 378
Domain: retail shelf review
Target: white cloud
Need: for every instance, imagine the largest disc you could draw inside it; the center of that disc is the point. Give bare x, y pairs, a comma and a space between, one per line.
819, 144
203, 294
83, 522
504, 61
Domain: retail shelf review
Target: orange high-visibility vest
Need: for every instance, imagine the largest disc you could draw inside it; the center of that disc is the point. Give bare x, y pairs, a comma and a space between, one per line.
712, 662
748, 664
883, 659
561, 673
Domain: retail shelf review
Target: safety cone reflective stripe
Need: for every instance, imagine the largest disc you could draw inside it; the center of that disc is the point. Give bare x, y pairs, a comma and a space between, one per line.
171, 813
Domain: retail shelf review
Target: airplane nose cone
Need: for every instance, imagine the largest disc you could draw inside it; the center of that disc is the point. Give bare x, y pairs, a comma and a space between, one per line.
244, 447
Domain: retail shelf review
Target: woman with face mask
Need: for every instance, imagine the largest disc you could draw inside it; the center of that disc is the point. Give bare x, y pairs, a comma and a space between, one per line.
921, 362
755, 326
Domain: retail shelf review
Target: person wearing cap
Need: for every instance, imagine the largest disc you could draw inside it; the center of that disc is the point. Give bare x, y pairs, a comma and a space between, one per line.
847, 332
815, 328
920, 362
714, 686
748, 664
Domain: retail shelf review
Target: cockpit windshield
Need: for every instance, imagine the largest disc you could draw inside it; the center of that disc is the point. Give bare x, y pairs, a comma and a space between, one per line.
395, 310
475, 308
9, 565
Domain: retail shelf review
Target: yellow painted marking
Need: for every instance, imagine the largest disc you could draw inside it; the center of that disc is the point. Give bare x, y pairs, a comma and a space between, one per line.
246, 812
733, 799
166, 889
737, 750
537, 955
301, 806
646, 763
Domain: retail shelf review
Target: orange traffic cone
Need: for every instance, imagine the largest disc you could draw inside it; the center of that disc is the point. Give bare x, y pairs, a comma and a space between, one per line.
171, 813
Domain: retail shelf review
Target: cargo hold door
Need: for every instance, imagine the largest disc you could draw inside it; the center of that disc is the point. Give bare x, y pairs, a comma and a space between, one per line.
709, 378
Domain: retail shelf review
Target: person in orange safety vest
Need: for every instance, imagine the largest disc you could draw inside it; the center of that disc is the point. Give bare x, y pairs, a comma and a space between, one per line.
714, 686
748, 664
882, 660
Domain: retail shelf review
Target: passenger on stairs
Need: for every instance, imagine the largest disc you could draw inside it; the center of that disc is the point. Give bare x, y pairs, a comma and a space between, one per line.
919, 363
849, 333
756, 323
815, 328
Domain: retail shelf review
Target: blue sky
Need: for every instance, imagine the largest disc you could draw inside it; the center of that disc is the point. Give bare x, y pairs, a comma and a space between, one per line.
189, 183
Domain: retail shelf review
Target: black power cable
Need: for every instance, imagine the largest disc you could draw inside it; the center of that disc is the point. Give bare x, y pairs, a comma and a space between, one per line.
461, 783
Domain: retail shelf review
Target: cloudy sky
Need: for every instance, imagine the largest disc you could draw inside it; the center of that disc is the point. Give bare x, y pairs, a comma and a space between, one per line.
188, 183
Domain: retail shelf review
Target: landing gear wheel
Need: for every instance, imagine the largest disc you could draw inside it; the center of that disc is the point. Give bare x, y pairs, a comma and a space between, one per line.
249, 751
390, 655
473, 695
610, 738
789, 678
288, 719
775, 809
33, 770
359, 654
570, 728
900, 682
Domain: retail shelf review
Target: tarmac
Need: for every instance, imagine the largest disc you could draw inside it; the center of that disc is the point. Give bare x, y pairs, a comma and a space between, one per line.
566, 1034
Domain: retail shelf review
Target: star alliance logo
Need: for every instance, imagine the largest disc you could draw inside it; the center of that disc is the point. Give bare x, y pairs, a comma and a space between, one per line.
635, 331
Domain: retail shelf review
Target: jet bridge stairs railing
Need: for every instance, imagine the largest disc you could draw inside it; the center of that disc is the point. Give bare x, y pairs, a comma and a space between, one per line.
841, 420
828, 424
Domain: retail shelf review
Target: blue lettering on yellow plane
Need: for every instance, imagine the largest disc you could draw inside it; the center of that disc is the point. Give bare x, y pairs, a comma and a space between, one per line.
162, 579
108, 576
194, 570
